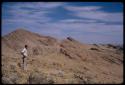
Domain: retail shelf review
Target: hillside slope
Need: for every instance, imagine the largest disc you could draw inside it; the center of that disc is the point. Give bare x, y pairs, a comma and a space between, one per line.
54, 61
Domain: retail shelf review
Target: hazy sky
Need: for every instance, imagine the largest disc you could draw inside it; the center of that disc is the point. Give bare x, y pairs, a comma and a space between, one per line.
88, 22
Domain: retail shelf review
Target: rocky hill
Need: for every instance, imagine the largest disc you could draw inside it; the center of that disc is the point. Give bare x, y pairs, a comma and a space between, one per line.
53, 61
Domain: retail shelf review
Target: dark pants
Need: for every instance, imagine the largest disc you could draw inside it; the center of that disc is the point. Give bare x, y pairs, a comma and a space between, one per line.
24, 61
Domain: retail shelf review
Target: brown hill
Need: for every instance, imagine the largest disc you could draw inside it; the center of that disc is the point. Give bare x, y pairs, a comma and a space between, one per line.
53, 61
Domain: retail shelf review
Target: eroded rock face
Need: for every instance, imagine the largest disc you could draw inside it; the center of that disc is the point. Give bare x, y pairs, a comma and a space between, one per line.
63, 51
94, 49
65, 62
69, 38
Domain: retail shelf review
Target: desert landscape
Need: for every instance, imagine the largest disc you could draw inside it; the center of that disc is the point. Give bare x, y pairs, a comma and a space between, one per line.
53, 61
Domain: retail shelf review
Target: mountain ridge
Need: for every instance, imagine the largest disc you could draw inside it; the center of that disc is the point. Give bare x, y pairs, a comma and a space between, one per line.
53, 61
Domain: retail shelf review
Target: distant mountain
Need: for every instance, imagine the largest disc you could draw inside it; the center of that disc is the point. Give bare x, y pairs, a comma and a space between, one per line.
59, 61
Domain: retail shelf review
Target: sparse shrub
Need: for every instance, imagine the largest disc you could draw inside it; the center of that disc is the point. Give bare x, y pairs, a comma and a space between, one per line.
35, 51
39, 78
11, 79
6, 81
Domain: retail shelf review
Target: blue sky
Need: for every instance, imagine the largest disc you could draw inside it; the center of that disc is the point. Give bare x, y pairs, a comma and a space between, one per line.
87, 22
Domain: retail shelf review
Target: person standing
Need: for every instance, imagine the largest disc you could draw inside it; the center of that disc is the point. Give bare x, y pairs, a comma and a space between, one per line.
24, 58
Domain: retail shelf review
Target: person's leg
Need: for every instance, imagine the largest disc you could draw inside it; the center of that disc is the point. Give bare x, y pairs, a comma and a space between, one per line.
25, 64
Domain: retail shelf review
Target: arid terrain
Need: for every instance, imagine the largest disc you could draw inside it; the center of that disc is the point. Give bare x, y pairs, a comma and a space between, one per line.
54, 61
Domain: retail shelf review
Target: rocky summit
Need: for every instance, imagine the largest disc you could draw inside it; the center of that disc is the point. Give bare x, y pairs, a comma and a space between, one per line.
53, 61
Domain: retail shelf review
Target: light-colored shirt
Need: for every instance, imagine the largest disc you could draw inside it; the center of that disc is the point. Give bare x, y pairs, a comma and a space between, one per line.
24, 51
